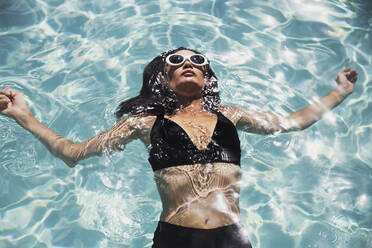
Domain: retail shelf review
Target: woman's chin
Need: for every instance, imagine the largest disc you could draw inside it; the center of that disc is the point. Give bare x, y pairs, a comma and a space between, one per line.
189, 90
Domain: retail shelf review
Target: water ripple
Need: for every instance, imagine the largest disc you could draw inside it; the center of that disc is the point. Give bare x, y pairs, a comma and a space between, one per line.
76, 60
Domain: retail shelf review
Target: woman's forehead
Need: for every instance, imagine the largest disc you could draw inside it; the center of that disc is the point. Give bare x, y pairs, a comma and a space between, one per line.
185, 52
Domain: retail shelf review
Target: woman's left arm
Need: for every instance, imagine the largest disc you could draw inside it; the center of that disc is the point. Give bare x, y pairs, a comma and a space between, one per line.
270, 123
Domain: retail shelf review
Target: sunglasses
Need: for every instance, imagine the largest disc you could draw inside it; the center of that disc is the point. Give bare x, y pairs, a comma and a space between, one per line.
178, 59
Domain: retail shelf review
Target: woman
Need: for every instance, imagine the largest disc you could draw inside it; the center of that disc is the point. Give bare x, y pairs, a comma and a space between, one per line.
193, 144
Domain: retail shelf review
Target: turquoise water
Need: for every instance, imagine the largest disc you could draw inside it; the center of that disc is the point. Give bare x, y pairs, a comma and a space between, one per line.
77, 60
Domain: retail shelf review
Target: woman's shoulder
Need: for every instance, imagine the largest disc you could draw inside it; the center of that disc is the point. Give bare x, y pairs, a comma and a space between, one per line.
143, 122
230, 112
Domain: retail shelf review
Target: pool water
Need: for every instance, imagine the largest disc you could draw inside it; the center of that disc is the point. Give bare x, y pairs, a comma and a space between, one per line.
77, 60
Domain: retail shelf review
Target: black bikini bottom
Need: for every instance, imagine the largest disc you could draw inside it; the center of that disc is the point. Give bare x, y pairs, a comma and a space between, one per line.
173, 236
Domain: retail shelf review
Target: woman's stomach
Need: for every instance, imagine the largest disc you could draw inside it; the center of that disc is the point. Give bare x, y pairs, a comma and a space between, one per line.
199, 196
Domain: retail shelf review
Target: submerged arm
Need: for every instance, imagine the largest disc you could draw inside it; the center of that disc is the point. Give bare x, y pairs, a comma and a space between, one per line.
299, 120
114, 139
13, 104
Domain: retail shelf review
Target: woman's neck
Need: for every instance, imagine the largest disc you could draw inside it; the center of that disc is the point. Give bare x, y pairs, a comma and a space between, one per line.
189, 105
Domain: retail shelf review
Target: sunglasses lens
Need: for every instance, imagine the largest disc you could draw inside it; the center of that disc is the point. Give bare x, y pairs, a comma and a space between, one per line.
175, 59
197, 59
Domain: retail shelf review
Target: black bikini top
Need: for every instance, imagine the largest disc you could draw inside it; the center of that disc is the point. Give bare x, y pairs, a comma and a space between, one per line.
171, 145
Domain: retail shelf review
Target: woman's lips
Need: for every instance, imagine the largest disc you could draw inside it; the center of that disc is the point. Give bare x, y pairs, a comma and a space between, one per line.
188, 73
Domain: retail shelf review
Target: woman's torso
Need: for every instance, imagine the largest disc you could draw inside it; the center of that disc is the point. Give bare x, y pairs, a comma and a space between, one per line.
199, 195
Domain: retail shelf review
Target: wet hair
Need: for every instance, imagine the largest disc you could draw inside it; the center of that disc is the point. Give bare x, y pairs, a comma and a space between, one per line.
157, 98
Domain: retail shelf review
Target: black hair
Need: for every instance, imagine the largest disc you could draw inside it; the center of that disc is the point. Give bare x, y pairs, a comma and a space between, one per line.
156, 98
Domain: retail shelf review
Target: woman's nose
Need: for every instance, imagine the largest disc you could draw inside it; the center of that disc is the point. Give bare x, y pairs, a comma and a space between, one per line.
187, 63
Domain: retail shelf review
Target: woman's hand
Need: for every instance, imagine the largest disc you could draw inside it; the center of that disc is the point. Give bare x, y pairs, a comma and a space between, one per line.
346, 80
13, 104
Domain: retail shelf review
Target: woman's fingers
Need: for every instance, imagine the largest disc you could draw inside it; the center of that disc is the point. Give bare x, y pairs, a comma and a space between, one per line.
352, 76
7, 91
12, 103
4, 97
4, 101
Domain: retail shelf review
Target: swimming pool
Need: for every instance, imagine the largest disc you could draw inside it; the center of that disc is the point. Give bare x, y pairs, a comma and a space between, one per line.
77, 60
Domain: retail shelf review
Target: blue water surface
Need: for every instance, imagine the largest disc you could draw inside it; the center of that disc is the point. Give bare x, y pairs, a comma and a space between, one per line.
77, 60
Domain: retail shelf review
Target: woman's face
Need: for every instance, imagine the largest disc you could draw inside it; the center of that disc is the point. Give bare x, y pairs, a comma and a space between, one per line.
185, 79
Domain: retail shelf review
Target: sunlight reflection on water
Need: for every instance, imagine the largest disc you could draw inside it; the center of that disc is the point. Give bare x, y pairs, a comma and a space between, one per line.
76, 60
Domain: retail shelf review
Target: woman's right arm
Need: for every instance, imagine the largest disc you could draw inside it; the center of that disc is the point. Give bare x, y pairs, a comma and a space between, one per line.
14, 105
